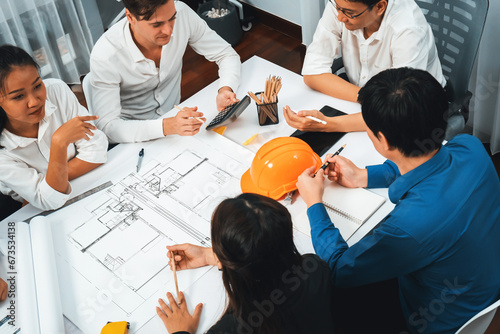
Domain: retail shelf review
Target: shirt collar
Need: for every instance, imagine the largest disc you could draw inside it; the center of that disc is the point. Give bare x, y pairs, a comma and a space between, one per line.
137, 55
378, 35
11, 141
405, 182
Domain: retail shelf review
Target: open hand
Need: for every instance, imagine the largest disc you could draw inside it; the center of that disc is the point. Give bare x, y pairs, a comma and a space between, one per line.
176, 317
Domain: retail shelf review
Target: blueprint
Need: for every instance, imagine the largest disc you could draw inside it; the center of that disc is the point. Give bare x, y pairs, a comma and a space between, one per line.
111, 254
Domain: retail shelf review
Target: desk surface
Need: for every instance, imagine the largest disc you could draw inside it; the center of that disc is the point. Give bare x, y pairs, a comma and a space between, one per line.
122, 160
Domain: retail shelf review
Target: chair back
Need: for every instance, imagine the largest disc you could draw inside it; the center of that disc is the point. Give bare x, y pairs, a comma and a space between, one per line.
457, 26
481, 321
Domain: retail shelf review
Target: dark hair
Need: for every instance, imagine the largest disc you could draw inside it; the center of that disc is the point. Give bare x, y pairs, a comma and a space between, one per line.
10, 57
143, 9
252, 236
409, 107
369, 3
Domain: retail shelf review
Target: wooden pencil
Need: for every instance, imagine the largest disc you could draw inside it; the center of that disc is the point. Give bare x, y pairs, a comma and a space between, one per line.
175, 275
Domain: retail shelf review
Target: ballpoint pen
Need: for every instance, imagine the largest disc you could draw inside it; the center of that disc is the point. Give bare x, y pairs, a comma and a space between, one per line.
139, 160
323, 167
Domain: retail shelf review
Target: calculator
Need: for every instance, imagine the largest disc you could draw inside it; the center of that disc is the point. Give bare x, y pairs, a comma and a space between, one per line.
229, 113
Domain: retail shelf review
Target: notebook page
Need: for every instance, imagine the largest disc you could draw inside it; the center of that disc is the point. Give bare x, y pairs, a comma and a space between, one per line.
346, 226
357, 203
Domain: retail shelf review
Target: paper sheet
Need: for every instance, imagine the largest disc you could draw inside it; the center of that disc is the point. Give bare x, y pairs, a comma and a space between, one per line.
110, 247
47, 284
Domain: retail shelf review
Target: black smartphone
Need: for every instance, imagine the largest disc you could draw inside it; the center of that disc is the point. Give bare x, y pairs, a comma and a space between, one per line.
321, 142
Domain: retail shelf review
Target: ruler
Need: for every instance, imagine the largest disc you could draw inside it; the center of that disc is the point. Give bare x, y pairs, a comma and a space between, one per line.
74, 199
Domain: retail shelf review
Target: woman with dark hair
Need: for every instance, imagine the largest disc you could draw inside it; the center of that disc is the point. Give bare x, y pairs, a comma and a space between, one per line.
271, 287
46, 137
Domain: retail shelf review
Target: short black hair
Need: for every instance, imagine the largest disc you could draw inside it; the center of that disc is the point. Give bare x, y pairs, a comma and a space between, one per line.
143, 9
409, 107
368, 2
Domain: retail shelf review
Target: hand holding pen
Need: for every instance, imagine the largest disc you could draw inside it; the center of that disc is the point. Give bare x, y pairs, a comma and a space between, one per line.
326, 163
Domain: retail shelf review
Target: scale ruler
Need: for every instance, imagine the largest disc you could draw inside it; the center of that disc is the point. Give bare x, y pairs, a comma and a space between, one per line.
74, 199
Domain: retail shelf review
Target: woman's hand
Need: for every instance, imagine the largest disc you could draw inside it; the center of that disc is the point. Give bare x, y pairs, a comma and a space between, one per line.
73, 130
176, 317
188, 256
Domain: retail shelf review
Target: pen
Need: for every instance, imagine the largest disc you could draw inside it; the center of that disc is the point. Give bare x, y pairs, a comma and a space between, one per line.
199, 119
312, 118
323, 167
316, 119
139, 160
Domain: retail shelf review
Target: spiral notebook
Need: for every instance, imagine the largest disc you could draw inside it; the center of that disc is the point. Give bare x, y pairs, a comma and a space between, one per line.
348, 208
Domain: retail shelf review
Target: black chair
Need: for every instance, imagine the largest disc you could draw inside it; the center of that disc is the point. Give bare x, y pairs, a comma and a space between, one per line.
8, 206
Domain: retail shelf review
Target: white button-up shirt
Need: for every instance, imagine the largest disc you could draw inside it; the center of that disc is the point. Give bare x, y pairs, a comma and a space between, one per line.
403, 39
128, 91
24, 161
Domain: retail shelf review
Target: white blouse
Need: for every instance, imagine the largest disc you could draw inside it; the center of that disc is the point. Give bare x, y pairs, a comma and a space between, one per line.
24, 161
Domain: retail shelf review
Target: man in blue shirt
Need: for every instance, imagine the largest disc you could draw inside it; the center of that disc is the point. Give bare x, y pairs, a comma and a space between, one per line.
441, 241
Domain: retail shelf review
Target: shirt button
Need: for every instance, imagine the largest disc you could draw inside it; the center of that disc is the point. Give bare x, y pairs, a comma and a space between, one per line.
364, 76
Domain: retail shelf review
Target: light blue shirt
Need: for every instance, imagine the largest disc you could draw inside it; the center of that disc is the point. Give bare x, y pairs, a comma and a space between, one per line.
442, 240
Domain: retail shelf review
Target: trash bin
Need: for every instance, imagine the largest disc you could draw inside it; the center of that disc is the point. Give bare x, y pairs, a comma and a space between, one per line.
227, 26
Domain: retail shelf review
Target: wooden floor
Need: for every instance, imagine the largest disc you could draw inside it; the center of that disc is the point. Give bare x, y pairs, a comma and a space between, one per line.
261, 41
264, 42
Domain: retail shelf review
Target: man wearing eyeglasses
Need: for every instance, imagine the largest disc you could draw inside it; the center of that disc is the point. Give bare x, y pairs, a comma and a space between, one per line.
371, 36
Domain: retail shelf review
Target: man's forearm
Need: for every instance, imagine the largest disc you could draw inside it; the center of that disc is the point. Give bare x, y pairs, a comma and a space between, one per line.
333, 85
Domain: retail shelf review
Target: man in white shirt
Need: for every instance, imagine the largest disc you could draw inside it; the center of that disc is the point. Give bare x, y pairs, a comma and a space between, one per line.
135, 71
371, 36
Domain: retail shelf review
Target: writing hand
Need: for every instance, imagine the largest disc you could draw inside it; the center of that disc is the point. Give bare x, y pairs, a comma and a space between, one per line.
345, 172
188, 256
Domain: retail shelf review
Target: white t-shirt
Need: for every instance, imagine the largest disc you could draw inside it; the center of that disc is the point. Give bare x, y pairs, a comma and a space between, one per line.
24, 161
128, 91
404, 39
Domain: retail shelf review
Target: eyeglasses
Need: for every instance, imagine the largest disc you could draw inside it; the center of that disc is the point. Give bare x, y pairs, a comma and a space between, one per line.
350, 15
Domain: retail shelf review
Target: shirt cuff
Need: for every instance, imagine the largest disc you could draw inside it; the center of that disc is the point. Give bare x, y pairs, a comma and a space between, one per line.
53, 199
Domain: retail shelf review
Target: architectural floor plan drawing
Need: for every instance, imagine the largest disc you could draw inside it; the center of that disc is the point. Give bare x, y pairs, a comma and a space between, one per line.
139, 209
111, 248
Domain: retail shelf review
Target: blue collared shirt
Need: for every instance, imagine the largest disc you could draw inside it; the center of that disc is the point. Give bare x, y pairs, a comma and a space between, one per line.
442, 240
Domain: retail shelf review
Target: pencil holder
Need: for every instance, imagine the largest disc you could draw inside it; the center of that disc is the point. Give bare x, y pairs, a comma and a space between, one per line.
267, 112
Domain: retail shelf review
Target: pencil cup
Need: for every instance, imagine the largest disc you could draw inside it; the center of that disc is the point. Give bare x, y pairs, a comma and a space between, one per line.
267, 112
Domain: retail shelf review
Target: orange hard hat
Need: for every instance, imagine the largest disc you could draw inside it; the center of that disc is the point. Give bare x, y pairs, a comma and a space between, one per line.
277, 166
